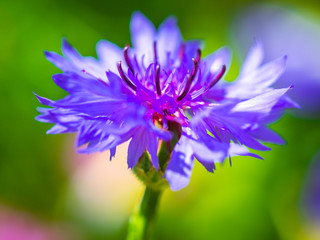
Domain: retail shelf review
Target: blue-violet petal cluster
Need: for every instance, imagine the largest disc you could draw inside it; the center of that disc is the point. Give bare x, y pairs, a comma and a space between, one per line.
138, 92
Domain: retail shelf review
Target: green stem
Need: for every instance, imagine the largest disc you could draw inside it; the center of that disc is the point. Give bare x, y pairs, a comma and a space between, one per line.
142, 222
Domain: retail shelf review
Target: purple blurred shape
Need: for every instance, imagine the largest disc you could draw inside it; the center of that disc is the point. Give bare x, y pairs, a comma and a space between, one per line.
310, 198
285, 31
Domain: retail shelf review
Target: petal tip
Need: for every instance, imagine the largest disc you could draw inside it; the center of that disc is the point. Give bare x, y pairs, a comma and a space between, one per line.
138, 18
49, 55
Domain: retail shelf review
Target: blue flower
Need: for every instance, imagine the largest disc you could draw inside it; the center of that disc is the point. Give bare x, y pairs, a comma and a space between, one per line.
159, 87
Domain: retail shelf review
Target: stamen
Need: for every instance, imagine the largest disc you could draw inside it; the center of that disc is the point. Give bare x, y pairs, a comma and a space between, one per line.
185, 91
127, 59
195, 68
181, 51
155, 52
218, 77
157, 80
125, 78
198, 57
192, 76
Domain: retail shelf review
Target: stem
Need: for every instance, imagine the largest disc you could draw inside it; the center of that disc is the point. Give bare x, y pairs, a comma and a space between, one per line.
142, 221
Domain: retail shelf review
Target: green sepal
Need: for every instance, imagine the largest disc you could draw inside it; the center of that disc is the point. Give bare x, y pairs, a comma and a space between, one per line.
144, 169
148, 174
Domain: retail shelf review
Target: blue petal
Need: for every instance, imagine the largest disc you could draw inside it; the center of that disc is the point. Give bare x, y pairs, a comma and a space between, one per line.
168, 40
58, 128
239, 150
257, 81
208, 153
267, 135
245, 139
179, 169
136, 147
253, 59
97, 143
143, 139
112, 152
59, 61
267, 74
190, 50
44, 101
262, 103
215, 60
87, 66
114, 81
152, 146
72, 83
109, 54
69, 51
192, 46
142, 34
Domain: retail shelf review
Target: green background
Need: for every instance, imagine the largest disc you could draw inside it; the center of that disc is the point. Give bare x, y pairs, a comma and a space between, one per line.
253, 199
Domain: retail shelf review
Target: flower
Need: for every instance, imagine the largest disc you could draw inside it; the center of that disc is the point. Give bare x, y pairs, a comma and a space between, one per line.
162, 94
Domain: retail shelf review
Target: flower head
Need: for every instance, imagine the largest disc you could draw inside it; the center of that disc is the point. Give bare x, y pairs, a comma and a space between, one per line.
161, 93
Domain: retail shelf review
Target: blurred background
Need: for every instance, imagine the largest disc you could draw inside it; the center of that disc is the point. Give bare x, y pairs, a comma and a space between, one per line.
47, 191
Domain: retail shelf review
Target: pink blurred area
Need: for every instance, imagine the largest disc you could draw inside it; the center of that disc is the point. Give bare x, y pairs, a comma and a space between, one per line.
17, 225
102, 192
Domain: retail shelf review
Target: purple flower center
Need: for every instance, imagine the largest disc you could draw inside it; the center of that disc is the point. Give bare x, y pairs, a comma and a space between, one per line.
161, 95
